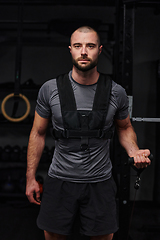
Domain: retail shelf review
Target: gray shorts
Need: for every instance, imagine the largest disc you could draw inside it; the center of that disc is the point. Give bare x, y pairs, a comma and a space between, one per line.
95, 203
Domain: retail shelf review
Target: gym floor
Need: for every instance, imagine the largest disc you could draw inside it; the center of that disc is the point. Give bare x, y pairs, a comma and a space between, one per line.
18, 222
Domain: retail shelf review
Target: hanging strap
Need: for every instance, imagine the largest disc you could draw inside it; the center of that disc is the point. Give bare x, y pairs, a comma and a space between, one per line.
18, 59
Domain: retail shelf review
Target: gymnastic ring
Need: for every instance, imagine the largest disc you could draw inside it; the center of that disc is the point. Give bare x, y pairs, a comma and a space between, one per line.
11, 118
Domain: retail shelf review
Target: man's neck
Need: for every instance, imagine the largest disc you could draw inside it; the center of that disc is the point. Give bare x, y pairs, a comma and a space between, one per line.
86, 78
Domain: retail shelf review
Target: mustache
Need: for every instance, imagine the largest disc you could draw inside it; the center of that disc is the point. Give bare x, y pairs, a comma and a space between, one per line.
83, 58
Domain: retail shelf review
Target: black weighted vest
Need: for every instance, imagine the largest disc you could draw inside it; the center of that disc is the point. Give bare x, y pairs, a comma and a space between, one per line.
83, 124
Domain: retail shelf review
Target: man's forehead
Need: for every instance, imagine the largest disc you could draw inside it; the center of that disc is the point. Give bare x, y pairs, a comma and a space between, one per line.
79, 37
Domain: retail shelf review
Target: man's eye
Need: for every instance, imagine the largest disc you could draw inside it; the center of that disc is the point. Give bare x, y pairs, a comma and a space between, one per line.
77, 46
91, 46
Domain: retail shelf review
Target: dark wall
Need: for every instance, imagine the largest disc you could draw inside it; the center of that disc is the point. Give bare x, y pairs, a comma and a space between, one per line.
45, 54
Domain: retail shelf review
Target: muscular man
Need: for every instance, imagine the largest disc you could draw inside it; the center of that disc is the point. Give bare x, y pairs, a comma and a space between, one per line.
80, 175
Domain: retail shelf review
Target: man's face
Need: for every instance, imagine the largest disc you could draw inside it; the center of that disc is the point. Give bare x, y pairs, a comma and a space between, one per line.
85, 50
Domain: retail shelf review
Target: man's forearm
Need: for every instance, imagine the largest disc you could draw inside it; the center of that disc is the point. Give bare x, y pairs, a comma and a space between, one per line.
128, 140
35, 148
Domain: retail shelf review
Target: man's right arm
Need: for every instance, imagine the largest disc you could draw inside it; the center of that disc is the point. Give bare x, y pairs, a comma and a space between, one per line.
35, 148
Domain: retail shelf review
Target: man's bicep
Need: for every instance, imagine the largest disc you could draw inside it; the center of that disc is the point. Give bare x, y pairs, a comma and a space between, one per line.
40, 124
123, 124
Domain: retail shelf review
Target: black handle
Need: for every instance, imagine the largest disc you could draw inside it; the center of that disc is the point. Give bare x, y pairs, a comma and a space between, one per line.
131, 159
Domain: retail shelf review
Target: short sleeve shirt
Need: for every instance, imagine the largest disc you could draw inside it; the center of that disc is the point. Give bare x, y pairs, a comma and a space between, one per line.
69, 162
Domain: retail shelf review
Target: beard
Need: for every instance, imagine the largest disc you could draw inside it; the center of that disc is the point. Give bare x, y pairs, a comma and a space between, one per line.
84, 67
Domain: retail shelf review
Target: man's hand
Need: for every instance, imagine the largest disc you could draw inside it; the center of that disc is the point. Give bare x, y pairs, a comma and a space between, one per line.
33, 191
141, 159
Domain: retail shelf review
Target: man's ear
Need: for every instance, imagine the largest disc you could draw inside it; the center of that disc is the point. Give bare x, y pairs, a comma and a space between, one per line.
100, 49
69, 48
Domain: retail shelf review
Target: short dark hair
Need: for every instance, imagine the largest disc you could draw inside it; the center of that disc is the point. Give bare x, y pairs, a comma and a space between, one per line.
86, 29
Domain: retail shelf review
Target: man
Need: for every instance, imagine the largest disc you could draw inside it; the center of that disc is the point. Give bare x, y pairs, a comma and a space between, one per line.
79, 178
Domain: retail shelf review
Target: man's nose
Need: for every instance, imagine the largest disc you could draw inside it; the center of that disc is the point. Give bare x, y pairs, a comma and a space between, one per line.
84, 50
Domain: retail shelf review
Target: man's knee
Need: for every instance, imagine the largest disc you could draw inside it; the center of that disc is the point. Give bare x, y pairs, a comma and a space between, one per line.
102, 237
54, 236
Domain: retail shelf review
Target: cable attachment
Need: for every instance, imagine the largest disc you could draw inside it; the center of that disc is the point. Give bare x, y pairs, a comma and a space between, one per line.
138, 170
137, 183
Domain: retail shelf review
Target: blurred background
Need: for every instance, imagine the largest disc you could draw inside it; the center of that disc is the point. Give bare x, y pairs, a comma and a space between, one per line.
34, 40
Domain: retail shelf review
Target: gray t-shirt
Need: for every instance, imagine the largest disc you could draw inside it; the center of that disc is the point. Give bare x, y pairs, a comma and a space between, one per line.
69, 162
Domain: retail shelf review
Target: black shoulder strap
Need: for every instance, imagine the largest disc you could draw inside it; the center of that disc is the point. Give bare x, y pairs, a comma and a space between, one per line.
102, 94
66, 95
67, 99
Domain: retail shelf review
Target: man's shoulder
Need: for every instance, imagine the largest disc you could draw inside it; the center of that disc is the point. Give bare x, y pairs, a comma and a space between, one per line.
49, 83
117, 87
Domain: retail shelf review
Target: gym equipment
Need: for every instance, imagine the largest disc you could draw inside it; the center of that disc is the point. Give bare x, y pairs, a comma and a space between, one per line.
15, 154
123, 74
23, 154
136, 185
12, 119
17, 95
141, 119
8, 186
138, 170
22, 184
6, 153
131, 159
156, 191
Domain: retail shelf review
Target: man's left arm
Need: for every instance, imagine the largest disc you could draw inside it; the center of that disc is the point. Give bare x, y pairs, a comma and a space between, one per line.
128, 140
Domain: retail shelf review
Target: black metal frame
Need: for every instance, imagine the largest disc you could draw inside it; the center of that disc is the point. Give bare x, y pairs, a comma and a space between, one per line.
123, 74
61, 2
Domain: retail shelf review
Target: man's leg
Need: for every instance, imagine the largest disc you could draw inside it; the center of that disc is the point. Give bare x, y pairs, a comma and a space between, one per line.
54, 236
103, 237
